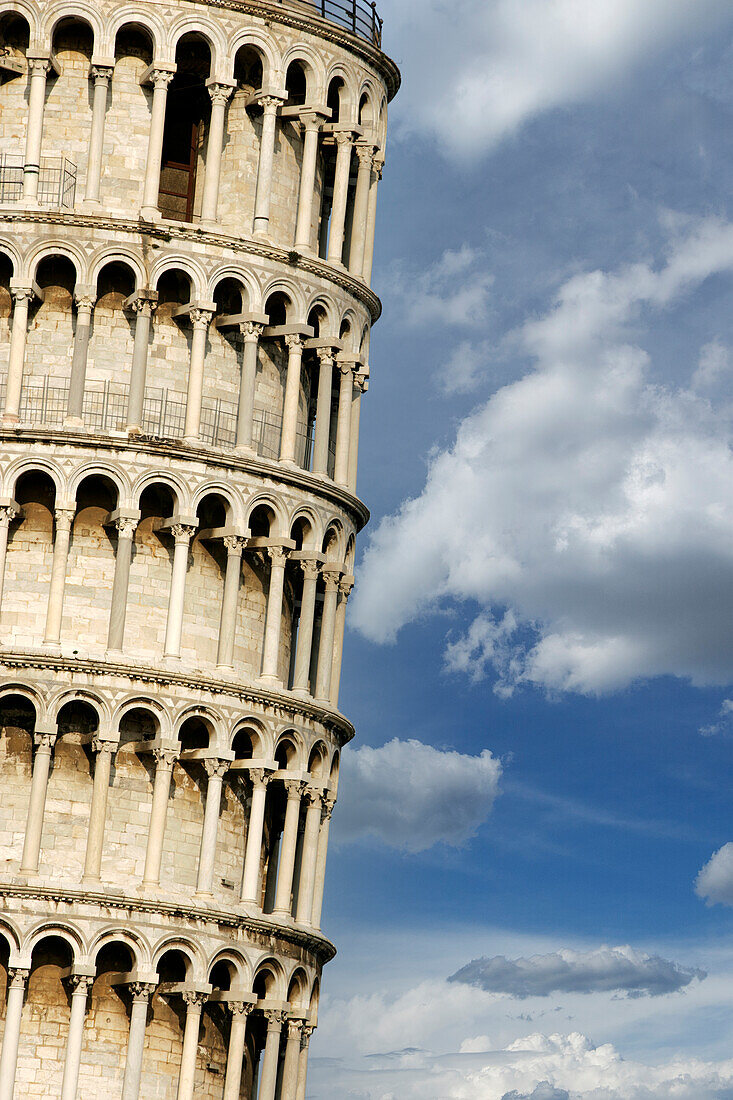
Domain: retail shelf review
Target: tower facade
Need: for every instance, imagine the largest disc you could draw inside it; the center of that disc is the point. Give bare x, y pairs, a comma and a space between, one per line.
187, 206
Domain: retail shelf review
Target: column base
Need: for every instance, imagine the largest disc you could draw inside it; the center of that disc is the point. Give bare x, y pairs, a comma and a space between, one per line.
10, 420
270, 681
302, 693
134, 429
150, 214
246, 450
193, 441
73, 422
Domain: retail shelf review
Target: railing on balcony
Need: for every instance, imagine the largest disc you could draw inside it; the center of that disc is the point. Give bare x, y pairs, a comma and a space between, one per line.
358, 16
56, 181
44, 400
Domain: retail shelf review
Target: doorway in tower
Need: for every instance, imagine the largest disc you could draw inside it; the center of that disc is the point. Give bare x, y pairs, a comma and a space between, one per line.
188, 110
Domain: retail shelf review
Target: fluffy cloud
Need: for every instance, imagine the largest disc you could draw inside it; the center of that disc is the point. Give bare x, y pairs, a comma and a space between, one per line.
585, 507
607, 969
501, 63
412, 796
715, 880
723, 723
455, 288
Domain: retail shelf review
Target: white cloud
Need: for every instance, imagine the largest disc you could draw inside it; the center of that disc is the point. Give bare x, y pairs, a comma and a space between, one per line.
412, 796
619, 969
724, 722
715, 880
476, 70
585, 507
453, 291
466, 368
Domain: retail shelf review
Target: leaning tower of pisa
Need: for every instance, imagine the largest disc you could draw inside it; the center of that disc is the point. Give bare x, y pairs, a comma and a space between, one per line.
188, 196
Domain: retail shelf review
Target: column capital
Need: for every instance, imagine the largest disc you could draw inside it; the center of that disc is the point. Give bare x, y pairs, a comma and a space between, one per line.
216, 768
200, 316
182, 532
100, 745
294, 340
219, 90
251, 331
234, 544
101, 73
17, 977
259, 778
295, 1028
165, 757
39, 64
327, 807
331, 576
21, 293
344, 137
141, 991
366, 152
44, 740
240, 1008
80, 984
346, 585
194, 999
9, 511
85, 299
326, 354
305, 1035
278, 555
125, 526
143, 302
311, 568
294, 787
313, 795
275, 1017
269, 102
158, 77
64, 518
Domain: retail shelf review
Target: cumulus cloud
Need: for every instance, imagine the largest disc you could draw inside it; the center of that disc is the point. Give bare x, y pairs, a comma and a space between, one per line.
501, 63
715, 881
455, 289
608, 969
412, 796
585, 508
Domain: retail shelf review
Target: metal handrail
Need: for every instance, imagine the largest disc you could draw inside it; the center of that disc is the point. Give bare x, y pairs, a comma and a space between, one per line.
358, 16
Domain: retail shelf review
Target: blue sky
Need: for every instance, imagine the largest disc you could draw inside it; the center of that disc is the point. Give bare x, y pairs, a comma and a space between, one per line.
540, 651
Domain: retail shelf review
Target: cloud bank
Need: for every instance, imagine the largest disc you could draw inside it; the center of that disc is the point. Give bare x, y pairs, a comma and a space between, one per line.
412, 796
608, 969
585, 508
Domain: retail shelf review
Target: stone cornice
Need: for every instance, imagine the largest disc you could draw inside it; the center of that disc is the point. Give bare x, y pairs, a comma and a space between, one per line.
281, 704
176, 448
314, 942
170, 231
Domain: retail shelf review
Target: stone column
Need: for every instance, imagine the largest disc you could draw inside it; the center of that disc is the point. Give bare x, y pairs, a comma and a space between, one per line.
39, 68
101, 76
346, 584
8, 512
365, 153
294, 790
194, 1002
104, 750
304, 228
331, 578
291, 400
219, 93
271, 644
304, 907
22, 297
361, 385
75, 407
269, 106
240, 1011
200, 319
268, 1076
17, 979
320, 878
215, 770
36, 803
372, 219
143, 305
182, 533
125, 526
141, 994
250, 893
80, 984
305, 631
305, 1039
64, 517
247, 380
343, 424
160, 79
290, 1062
344, 143
323, 412
228, 622
164, 760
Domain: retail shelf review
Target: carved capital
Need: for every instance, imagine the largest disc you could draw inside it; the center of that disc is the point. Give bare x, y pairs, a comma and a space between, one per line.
378, 165
345, 588
294, 787
80, 984
44, 742
17, 977
325, 355
310, 569
313, 796
240, 1008
220, 93
251, 330
235, 544
125, 527
143, 306
64, 518
141, 991
101, 74
294, 341
327, 808
275, 1019
269, 103
305, 1035
39, 66
22, 294
344, 137
216, 768
365, 153
84, 301
259, 777
182, 532
200, 317
278, 555
295, 1029
194, 999
165, 758
161, 78
100, 746
8, 512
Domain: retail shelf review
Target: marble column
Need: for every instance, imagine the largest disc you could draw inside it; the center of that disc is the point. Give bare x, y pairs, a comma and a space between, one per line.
311, 570
372, 219
160, 79
312, 122
17, 979
84, 300
268, 1075
228, 622
100, 75
64, 517
80, 984
343, 423
104, 751
271, 645
346, 584
125, 527
22, 297
290, 1062
269, 106
250, 893
44, 743
320, 876
303, 1061
251, 331
365, 153
200, 320
215, 770
294, 789
182, 534
361, 385
219, 94
240, 1011
331, 579
344, 145
8, 512
164, 760
306, 885
194, 1001
141, 994
143, 305
291, 399
39, 67
322, 433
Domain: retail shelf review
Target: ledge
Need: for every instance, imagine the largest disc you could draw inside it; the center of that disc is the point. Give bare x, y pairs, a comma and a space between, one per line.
166, 231
283, 703
315, 942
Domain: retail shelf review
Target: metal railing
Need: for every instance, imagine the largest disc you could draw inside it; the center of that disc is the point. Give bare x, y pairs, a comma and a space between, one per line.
56, 181
358, 16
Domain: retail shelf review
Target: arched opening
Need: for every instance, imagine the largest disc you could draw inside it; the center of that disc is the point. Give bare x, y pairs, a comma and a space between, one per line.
29, 559
6, 308
14, 41
248, 70
132, 779
296, 83
69, 792
247, 744
91, 555
107, 382
169, 356
188, 111
317, 761
127, 121
150, 572
109, 1005
66, 148
45, 1018
166, 1023
205, 581
17, 723
50, 344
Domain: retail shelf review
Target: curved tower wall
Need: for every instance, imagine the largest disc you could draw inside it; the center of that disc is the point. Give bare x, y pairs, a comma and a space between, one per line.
187, 206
